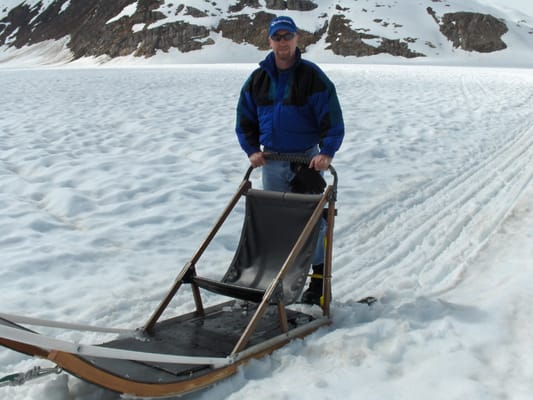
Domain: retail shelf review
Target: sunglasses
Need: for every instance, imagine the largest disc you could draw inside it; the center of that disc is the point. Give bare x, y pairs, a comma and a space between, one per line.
287, 36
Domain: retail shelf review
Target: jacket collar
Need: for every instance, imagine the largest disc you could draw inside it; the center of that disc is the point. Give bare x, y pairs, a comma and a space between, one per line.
269, 63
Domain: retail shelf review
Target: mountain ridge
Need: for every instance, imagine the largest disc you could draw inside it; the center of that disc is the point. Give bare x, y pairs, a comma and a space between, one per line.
346, 30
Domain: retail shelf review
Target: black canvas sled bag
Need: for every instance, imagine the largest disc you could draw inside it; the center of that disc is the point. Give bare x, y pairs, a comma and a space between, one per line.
306, 180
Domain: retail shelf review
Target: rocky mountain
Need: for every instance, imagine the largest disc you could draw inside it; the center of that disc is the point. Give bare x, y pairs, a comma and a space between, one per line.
406, 28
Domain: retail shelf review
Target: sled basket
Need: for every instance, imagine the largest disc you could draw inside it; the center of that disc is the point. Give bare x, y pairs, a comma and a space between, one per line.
273, 222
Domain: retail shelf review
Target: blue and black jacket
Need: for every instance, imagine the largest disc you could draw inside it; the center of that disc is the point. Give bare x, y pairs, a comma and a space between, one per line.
289, 111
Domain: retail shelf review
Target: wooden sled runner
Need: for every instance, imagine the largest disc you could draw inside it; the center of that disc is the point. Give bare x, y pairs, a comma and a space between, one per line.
192, 351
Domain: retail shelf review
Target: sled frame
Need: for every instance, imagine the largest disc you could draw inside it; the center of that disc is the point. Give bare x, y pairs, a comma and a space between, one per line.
328, 199
89, 362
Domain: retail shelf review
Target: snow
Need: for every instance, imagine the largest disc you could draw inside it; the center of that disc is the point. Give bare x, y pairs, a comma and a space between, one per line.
111, 178
128, 11
113, 171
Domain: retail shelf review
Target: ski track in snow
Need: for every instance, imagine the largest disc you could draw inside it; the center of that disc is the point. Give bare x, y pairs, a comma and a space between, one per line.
442, 223
111, 177
423, 234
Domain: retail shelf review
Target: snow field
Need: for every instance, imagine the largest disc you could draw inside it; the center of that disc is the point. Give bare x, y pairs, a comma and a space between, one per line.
111, 178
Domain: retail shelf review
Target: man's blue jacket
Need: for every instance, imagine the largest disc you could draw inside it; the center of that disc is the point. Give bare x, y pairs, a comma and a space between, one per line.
289, 111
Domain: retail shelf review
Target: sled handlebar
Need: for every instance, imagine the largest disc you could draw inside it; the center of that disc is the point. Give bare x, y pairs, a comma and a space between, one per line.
293, 158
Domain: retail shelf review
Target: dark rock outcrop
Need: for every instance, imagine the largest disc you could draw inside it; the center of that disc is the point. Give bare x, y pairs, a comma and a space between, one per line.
245, 29
473, 31
242, 4
299, 5
345, 41
254, 30
17, 21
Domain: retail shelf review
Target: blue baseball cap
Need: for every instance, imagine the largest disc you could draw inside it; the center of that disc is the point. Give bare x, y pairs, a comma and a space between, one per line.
282, 23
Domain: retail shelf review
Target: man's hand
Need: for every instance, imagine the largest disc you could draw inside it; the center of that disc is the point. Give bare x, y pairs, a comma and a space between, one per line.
320, 162
257, 159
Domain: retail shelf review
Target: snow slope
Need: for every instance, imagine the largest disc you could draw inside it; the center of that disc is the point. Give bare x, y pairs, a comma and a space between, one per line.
111, 177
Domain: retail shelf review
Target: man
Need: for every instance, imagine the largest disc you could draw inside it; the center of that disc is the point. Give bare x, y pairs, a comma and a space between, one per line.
288, 105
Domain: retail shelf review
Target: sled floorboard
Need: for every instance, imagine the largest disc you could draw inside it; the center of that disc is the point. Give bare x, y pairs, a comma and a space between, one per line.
213, 334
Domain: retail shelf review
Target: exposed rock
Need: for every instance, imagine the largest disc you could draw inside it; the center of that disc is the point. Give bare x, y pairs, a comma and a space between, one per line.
145, 32
473, 31
242, 4
181, 35
94, 37
17, 20
397, 48
84, 20
299, 5
254, 30
347, 42
145, 12
194, 12
242, 28
91, 35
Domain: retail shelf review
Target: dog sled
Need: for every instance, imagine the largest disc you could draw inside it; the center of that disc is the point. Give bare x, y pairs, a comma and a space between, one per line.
258, 313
